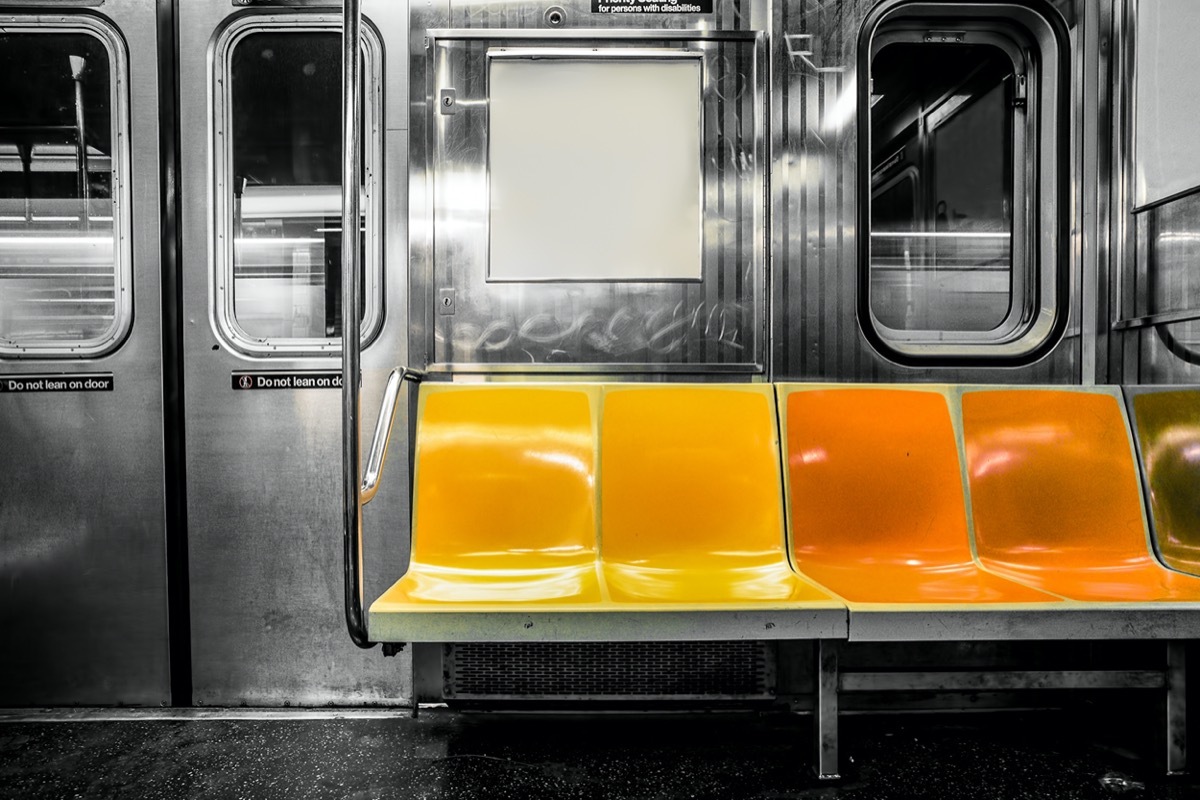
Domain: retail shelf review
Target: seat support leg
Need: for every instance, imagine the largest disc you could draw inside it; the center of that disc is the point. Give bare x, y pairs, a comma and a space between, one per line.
1176, 707
410, 685
825, 709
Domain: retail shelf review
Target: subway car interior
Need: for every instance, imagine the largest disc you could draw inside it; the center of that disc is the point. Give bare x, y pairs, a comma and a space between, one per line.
739, 391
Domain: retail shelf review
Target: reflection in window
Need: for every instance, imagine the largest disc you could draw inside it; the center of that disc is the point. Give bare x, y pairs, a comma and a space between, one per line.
60, 276
286, 138
942, 142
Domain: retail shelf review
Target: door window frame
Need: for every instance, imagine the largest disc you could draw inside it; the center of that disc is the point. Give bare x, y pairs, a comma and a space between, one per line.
122, 181
223, 229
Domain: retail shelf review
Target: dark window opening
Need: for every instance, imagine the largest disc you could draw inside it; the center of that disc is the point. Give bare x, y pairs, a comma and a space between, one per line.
60, 274
942, 153
286, 137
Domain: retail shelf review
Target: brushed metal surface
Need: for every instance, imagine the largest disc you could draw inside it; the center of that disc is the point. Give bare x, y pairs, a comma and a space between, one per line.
992, 681
717, 322
1166, 152
264, 498
814, 188
1167, 246
1153, 251
813, 331
83, 609
1080, 622
611, 626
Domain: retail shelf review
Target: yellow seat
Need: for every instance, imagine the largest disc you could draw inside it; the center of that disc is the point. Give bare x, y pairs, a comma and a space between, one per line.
877, 504
504, 510
692, 499
1056, 496
512, 543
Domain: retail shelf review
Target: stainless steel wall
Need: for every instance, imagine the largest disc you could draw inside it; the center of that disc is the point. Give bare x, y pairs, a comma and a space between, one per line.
717, 324
815, 249
83, 606
1156, 212
1167, 285
813, 177
264, 499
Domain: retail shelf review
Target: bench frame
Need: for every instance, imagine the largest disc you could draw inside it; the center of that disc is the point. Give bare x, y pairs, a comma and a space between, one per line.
830, 682
827, 628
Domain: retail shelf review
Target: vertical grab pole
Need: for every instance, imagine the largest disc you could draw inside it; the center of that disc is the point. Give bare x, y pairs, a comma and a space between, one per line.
351, 344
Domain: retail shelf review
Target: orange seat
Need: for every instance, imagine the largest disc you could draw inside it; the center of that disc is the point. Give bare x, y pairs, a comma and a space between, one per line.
692, 499
1168, 427
1056, 496
876, 500
504, 506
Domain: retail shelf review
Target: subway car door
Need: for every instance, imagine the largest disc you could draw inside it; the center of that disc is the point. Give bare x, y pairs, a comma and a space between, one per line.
83, 603
261, 130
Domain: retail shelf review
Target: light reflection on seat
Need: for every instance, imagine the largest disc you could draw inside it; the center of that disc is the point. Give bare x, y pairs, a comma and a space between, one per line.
1062, 513
880, 516
504, 508
691, 498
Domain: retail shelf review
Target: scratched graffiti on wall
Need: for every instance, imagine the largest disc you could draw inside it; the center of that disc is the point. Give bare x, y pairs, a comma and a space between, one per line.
700, 333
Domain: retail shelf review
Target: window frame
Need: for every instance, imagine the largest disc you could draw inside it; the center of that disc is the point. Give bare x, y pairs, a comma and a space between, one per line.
1036, 41
121, 173
221, 219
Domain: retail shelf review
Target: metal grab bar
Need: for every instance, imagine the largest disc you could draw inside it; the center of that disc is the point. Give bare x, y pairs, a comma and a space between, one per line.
383, 430
1154, 320
351, 344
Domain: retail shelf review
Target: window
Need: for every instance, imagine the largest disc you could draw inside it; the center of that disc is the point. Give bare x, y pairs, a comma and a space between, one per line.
961, 257
65, 284
279, 162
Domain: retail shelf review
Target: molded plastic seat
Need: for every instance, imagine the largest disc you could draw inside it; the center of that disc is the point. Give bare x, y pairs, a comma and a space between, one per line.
509, 543
1168, 427
1056, 496
877, 504
692, 499
504, 506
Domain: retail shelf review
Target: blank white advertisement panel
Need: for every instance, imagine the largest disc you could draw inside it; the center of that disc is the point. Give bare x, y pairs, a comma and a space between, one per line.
1168, 99
594, 168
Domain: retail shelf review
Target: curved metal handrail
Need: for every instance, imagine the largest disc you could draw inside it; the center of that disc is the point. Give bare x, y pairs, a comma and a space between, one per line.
351, 346
377, 456
358, 488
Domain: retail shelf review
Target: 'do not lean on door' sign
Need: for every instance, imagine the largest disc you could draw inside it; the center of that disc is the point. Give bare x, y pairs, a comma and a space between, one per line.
250, 381
652, 6
32, 384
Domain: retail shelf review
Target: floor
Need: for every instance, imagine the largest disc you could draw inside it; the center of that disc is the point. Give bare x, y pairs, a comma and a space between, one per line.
450, 755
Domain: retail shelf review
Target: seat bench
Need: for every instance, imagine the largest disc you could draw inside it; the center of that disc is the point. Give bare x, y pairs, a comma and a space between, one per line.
981, 513
630, 512
577, 512
1055, 545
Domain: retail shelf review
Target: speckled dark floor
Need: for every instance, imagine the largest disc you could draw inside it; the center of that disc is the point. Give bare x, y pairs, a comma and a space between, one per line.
468, 756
